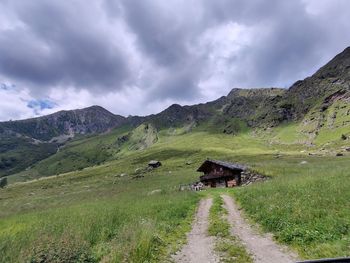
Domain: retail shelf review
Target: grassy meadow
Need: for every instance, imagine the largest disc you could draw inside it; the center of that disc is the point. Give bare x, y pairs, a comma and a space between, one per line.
96, 215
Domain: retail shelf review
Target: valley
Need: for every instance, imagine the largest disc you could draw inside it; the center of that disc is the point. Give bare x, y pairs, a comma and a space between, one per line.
96, 206
79, 188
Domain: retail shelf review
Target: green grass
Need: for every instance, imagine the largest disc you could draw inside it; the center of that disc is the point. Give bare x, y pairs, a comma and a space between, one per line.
99, 216
95, 215
305, 206
228, 246
218, 225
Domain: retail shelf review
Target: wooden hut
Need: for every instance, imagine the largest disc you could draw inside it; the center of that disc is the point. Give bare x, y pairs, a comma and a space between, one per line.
220, 173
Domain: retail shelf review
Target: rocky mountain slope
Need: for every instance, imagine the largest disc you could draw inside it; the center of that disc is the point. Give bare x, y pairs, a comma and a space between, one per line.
64, 124
328, 80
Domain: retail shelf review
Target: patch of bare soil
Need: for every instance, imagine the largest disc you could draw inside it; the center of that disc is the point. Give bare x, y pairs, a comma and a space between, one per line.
199, 247
262, 247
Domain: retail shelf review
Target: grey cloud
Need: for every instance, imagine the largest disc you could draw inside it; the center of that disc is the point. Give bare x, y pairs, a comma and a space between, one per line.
293, 45
162, 35
70, 43
60, 46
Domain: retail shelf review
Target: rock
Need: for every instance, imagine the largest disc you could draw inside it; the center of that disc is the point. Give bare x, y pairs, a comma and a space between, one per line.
303, 162
120, 175
154, 164
154, 192
138, 170
249, 177
188, 162
339, 154
3, 182
347, 149
138, 176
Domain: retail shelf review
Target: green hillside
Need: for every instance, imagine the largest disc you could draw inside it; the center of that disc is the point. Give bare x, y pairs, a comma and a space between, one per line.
15, 157
82, 191
98, 215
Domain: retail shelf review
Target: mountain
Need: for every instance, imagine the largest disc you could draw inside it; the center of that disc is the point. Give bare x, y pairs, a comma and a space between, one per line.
62, 125
318, 107
25, 142
329, 79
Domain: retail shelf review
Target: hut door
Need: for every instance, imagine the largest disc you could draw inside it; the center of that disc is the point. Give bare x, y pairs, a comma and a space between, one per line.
213, 184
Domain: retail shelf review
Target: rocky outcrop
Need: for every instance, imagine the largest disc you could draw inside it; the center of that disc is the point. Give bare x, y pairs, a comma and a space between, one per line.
328, 80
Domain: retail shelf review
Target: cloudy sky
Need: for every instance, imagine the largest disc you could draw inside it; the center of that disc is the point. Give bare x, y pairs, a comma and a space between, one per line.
140, 56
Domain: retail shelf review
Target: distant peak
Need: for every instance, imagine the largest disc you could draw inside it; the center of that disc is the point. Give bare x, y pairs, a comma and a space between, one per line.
347, 50
97, 107
174, 106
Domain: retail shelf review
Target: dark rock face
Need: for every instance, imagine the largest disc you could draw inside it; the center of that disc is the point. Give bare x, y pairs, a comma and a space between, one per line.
255, 106
328, 80
94, 119
177, 115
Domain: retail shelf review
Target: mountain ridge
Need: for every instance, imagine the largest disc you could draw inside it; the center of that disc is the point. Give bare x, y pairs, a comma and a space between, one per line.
317, 104
281, 104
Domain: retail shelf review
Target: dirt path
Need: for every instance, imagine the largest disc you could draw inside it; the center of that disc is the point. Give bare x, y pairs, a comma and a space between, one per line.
263, 248
199, 247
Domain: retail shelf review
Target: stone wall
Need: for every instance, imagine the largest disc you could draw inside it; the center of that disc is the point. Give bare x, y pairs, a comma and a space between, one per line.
248, 177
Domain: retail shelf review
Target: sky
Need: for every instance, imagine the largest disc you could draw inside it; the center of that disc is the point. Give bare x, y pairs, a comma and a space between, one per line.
137, 57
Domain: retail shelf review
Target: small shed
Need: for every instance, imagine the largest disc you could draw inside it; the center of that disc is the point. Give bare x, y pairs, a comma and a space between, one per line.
220, 173
154, 164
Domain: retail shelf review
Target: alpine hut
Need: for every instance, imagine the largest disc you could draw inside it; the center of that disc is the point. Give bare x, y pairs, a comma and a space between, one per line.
220, 173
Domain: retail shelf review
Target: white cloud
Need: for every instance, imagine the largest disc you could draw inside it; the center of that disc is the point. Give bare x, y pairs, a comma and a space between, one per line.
13, 103
222, 46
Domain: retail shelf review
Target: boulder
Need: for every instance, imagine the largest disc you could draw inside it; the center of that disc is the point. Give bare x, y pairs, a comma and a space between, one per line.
139, 170
154, 164
157, 191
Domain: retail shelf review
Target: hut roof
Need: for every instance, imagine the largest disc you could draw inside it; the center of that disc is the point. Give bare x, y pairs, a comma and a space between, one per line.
231, 166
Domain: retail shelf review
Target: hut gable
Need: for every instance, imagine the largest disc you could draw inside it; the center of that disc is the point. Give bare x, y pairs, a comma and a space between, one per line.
220, 174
